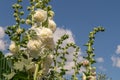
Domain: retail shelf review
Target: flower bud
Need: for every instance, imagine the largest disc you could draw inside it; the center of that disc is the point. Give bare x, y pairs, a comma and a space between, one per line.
28, 8
22, 21
51, 25
15, 14
13, 6
49, 7
85, 63
51, 13
28, 21
22, 13
37, 5
19, 31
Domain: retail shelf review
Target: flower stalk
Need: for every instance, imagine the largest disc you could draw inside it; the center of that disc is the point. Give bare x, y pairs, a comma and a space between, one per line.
89, 59
36, 71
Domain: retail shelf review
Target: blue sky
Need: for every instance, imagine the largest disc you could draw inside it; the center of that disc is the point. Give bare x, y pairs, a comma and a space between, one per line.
81, 16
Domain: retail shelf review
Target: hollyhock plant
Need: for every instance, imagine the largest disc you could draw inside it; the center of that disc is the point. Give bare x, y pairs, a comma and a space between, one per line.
35, 55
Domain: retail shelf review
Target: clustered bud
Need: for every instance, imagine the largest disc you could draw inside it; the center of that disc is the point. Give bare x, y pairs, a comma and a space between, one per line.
90, 73
85, 63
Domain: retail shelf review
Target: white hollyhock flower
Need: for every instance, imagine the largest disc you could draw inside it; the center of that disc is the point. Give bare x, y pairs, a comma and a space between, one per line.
46, 64
46, 34
37, 31
13, 47
46, 37
40, 15
49, 44
51, 25
34, 47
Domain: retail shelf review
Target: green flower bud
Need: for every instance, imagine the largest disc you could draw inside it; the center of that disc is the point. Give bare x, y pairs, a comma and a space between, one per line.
22, 13
49, 7
37, 5
7, 31
15, 14
19, 31
28, 21
96, 29
22, 21
13, 27
18, 6
17, 19
13, 6
91, 35
101, 28
28, 8
51, 13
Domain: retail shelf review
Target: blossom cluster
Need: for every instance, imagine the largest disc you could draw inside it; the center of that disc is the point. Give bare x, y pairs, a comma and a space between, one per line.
92, 76
34, 49
42, 39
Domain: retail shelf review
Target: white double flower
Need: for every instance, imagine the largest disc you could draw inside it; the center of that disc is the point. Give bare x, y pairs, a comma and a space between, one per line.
13, 47
40, 15
51, 25
42, 39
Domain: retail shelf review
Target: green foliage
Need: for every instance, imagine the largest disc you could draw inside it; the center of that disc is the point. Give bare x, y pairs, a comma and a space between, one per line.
4, 66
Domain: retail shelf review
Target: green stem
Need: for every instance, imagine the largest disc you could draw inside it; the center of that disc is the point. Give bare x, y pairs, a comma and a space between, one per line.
36, 71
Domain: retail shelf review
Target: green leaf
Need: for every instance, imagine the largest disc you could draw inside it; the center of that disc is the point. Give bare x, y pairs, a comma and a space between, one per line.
19, 66
9, 76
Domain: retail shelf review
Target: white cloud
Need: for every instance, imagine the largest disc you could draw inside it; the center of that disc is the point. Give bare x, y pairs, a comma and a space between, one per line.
2, 33
2, 45
102, 68
2, 42
69, 64
116, 61
60, 32
118, 49
100, 59
8, 54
